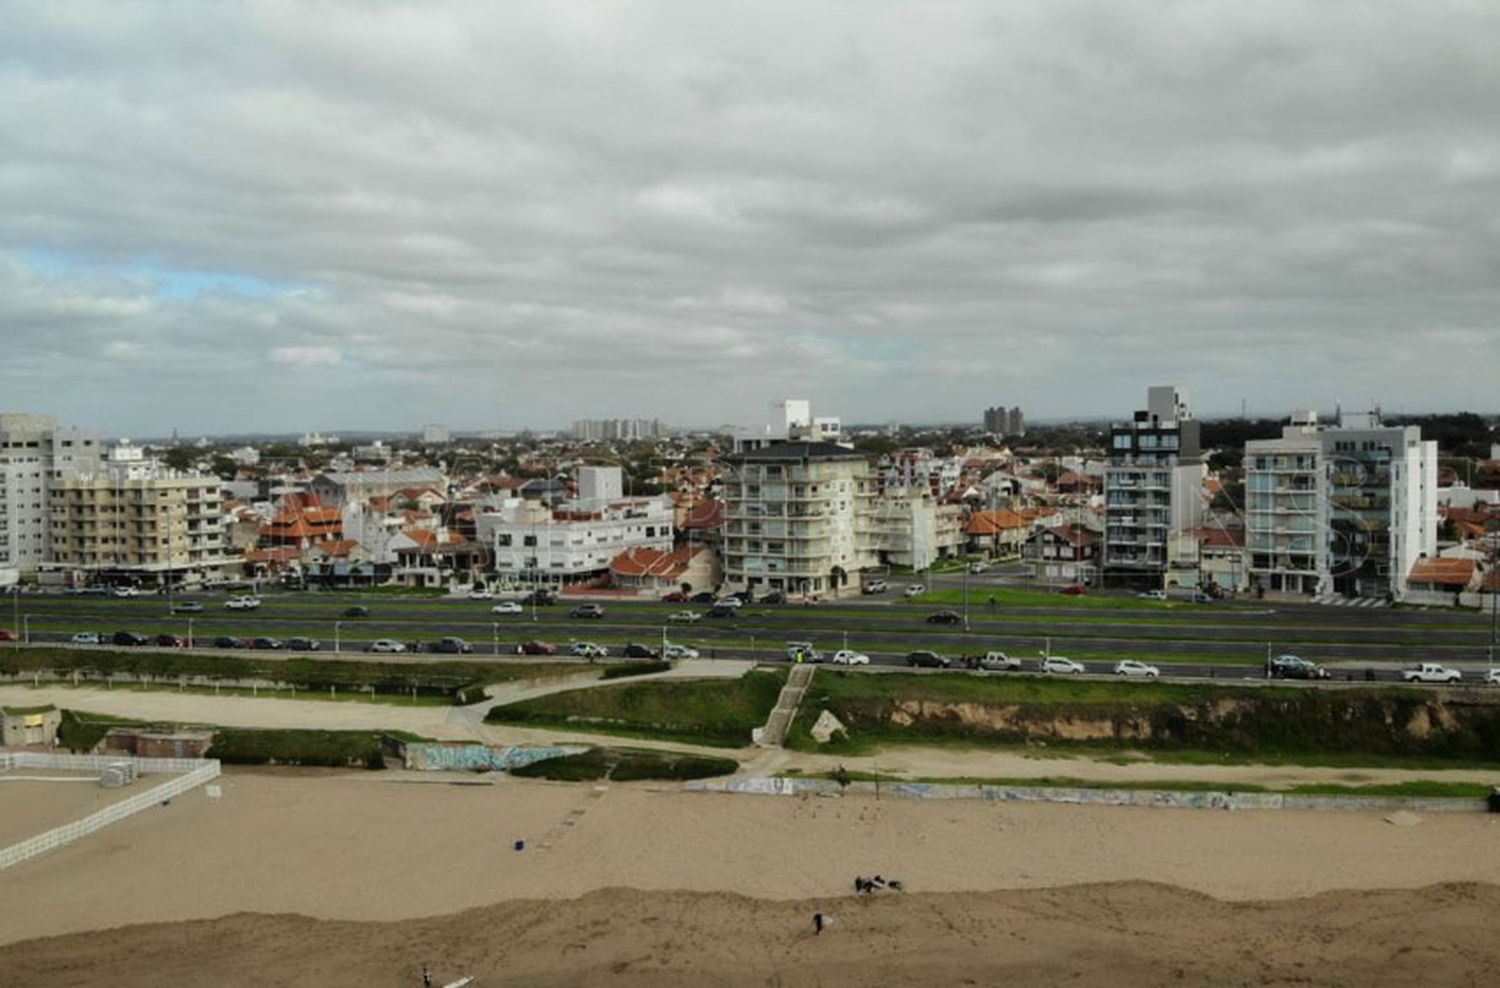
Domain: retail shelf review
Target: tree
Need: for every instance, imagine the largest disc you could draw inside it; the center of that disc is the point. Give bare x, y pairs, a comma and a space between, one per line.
180, 458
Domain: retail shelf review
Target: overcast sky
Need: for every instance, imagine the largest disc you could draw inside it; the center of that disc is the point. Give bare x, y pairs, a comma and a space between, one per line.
278, 216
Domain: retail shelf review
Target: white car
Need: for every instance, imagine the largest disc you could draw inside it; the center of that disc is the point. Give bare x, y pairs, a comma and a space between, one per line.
385, 645
915, 590
849, 657
507, 607
1130, 667
1492, 678
481, 594
1061, 665
684, 617
979, 567
1152, 595
244, 603
1431, 672
88, 638
588, 650
125, 592
679, 652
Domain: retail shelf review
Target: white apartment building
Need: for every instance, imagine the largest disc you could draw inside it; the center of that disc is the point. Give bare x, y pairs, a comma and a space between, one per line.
34, 454
133, 520
1152, 488
435, 434
906, 526
1344, 509
535, 544
796, 517
789, 419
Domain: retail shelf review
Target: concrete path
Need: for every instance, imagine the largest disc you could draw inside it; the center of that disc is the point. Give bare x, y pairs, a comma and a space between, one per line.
787, 702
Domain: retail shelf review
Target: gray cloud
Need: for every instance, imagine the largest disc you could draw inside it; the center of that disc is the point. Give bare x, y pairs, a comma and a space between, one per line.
278, 215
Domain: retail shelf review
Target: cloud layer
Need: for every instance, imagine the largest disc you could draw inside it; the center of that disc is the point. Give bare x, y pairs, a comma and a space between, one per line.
284, 215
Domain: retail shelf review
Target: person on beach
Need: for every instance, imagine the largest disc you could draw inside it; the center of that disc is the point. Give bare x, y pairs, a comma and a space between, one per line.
426, 977
819, 921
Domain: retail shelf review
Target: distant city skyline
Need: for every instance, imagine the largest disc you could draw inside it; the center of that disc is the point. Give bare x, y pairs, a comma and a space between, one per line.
511, 216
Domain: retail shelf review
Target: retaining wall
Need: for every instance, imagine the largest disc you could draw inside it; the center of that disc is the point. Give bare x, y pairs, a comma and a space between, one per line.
1208, 800
194, 772
481, 758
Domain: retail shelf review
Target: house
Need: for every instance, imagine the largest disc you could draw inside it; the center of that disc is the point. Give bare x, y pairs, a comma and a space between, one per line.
1207, 557
432, 557
999, 533
1063, 554
1444, 581
29, 726
652, 571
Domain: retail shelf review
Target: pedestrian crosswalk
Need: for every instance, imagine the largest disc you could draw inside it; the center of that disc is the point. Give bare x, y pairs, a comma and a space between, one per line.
1334, 600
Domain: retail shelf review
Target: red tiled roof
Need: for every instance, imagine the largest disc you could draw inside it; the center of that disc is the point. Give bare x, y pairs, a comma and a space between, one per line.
1074, 535
1443, 571
336, 547
1220, 538
644, 561
706, 513
994, 522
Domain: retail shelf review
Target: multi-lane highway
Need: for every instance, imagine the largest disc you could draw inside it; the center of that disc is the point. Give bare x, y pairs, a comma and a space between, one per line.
1220, 640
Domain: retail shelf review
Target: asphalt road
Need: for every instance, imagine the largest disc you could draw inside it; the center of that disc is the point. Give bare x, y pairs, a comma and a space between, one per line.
1219, 641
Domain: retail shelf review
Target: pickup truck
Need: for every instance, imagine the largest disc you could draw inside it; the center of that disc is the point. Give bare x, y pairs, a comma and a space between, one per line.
1431, 672
993, 662
242, 603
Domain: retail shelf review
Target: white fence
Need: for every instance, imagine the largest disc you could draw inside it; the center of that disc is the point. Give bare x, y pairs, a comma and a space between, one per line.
195, 772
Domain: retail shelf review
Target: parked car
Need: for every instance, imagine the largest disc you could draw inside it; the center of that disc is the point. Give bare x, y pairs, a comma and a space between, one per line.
7, 635
535, 647
300, 644
507, 607
124, 592
674, 651
928, 660
723, 611
541, 595
1074, 590
388, 645
945, 617
1492, 678
86, 638
915, 590
586, 611
1061, 665
356, 611
480, 593
1199, 597
703, 597
171, 641
272, 644
228, 641
979, 567
1296, 667
1431, 672
849, 657
588, 650
129, 638
187, 607
675, 597
774, 597
452, 645
245, 602
683, 617
873, 587
993, 662
635, 651
1130, 667
1152, 595
730, 600
802, 652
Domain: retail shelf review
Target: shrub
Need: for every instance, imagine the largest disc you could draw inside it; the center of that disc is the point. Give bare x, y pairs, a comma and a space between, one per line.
337, 749
622, 669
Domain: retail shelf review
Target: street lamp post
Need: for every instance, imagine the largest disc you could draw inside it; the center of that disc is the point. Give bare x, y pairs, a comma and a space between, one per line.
495, 631
190, 633
336, 626
26, 628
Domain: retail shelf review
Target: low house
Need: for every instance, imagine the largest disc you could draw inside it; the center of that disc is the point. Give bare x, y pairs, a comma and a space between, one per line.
1209, 558
1444, 581
654, 571
29, 726
433, 557
1063, 554
997, 533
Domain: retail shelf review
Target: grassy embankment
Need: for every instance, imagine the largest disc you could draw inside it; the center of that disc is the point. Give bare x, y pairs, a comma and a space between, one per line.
719, 713
1416, 789
1198, 723
628, 764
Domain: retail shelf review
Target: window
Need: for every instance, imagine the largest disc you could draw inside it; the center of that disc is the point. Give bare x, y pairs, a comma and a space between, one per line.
528, 541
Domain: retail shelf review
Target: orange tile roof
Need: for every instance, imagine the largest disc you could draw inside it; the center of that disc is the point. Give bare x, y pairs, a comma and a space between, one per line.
645, 561
994, 522
1443, 571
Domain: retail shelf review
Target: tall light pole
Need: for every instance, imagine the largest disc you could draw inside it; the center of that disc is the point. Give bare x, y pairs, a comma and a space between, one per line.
26, 628
190, 633
336, 626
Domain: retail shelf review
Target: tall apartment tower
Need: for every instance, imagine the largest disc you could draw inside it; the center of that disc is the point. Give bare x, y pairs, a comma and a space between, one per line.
1153, 487
1004, 421
1344, 509
34, 454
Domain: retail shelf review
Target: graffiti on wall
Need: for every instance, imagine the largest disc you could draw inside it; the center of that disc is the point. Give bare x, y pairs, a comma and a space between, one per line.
481, 758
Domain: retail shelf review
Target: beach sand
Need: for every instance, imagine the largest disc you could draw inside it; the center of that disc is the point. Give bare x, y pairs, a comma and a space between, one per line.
640, 884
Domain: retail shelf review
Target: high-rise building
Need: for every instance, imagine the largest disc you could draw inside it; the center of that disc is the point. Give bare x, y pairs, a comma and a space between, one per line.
1344, 509
624, 430
434, 434
1153, 487
1004, 421
34, 454
135, 520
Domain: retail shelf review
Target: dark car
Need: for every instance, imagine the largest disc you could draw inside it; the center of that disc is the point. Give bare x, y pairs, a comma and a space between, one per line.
187, 607
704, 597
637, 651
356, 611
675, 597
228, 641
1074, 590
743, 596
945, 617
774, 597
171, 641
535, 648
266, 643
540, 596
1296, 667
129, 638
928, 660
586, 611
303, 644
723, 611
452, 645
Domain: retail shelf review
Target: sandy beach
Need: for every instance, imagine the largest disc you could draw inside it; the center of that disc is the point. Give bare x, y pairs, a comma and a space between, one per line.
988, 885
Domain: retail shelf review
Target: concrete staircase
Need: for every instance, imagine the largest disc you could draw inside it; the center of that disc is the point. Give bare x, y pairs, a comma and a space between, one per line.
774, 732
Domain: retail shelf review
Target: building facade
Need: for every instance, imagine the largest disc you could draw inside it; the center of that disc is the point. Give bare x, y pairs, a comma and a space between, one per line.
1004, 421
1152, 488
34, 454
536, 544
1345, 509
795, 514
135, 521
